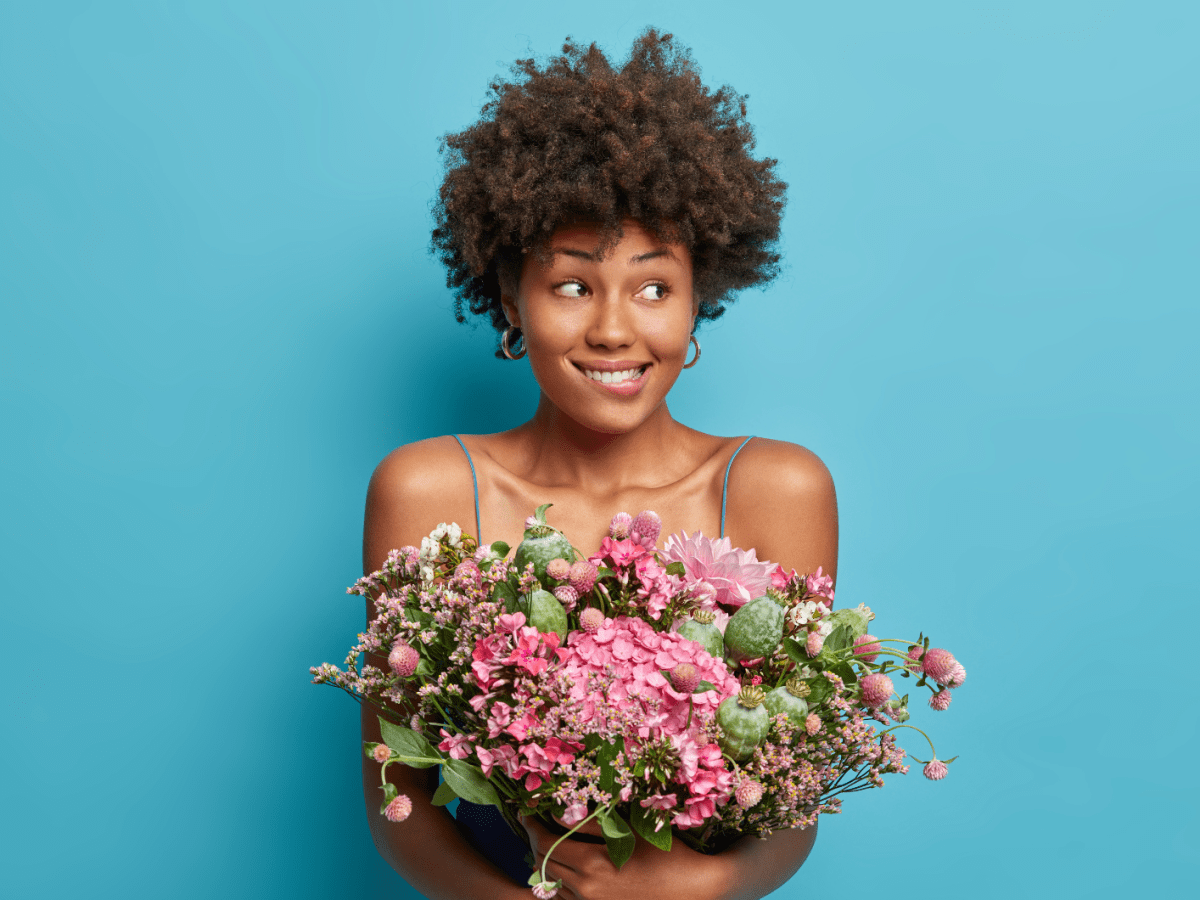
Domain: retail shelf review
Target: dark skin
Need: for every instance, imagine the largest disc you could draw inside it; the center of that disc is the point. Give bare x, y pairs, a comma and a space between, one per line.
593, 452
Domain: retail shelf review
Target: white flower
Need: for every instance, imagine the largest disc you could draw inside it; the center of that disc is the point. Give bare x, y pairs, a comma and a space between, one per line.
427, 573
824, 628
803, 613
430, 548
453, 532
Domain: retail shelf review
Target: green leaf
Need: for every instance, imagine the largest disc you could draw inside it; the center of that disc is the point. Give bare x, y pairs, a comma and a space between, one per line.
540, 512
468, 782
390, 793
643, 824
795, 651
444, 794
846, 672
535, 877
369, 749
602, 573
704, 686
424, 667
504, 593
406, 742
500, 548
676, 568
617, 837
841, 638
819, 690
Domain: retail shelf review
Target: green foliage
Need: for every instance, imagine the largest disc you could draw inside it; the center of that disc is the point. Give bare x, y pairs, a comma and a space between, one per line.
841, 638
644, 822
468, 782
412, 749
617, 837
444, 794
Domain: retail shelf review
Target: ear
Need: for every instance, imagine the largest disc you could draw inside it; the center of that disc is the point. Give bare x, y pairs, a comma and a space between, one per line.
509, 304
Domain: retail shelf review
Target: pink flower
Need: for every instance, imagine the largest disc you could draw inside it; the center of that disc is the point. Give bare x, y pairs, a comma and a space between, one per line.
544, 890
381, 753
457, 745
876, 689
737, 574
867, 648
820, 583
685, 678
813, 643
660, 801
748, 793
591, 619
619, 526
646, 528
583, 576
780, 577
566, 595
398, 810
957, 675
812, 724
940, 701
620, 553
939, 665
558, 569
935, 770
403, 659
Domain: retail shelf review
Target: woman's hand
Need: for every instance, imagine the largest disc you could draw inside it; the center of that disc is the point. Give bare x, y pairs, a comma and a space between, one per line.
650, 874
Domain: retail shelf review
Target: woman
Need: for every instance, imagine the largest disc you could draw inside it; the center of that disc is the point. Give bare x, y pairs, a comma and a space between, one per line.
595, 215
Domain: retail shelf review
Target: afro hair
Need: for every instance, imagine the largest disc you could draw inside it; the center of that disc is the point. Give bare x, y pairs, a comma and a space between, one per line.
575, 139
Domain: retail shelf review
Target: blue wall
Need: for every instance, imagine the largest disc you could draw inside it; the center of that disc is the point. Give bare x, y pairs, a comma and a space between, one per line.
219, 313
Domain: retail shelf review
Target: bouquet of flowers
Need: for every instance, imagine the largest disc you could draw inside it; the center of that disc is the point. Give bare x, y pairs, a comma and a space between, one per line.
685, 692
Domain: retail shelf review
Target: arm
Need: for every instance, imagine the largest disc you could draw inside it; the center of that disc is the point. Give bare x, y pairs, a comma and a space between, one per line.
412, 491
782, 503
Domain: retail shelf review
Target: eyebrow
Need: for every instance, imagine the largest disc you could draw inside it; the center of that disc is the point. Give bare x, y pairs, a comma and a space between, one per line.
591, 257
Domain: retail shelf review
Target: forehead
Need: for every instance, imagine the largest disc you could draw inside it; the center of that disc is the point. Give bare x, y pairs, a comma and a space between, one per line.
585, 240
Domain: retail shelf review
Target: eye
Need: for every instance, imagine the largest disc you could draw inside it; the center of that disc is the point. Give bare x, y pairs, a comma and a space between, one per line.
653, 292
570, 289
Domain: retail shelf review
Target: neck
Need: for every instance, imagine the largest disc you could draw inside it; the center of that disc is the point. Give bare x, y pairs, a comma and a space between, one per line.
563, 451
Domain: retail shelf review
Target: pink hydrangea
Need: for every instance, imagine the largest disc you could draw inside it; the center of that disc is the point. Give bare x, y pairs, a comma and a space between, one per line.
737, 574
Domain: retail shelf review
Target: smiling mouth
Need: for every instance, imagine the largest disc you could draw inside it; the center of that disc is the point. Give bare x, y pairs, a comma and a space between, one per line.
615, 377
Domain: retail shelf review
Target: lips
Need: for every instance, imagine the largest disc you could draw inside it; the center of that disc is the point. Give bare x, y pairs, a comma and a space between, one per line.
614, 377
624, 378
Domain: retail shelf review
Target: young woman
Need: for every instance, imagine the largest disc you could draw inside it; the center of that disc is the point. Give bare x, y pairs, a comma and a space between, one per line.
595, 215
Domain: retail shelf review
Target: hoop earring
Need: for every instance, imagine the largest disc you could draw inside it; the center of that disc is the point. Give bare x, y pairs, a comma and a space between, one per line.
506, 337
695, 358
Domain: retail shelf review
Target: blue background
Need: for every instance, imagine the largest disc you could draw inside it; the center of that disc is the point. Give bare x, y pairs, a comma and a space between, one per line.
219, 313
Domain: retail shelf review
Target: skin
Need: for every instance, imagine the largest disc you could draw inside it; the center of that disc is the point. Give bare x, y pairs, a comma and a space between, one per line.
594, 453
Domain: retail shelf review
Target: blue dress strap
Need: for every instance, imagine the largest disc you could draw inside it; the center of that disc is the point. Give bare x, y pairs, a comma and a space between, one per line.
475, 484
725, 486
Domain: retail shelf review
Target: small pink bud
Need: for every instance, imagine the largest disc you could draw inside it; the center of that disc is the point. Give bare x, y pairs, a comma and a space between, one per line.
381, 753
403, 659
544, 890
399, 809
876, 689
566, 595
583, 576
618, 528
939, 665
813, 645
940, 700
558, 569
812, 723
647, 525
531, 522
935, 770
867, 648
748, 793
591, 619
685, 678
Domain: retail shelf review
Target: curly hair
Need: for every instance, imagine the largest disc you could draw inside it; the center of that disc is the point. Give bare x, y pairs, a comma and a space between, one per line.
576, 139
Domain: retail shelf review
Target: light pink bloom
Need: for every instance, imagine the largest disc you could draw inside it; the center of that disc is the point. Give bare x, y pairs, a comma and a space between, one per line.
935, 770
398, 810
583, 576
457, 745
620, 553
867, 648
403, 659
646, 528
566, 595
381, 753
876, 689
940, 701
591, 619
820, 583
939, 664
812, 724
737, 574
814, 643
544, 890
957, 675
619, 526
748, 793
558, 569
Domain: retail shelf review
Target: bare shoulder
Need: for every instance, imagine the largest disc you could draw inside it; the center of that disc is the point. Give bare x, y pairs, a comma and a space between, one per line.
416, 487
781, 501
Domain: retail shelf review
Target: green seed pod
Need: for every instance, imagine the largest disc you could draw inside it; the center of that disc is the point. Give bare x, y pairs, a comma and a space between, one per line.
755, 630
546, 614
744, 723
852, 618
789, 700
706, 634
542, 543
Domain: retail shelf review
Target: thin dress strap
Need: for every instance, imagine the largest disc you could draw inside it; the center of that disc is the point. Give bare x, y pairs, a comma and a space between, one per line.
725, 486
475, 484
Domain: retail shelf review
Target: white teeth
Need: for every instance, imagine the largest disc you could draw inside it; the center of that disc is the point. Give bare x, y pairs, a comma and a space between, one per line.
612, 377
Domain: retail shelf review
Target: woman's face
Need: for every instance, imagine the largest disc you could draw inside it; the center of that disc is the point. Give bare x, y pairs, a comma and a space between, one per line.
607, 336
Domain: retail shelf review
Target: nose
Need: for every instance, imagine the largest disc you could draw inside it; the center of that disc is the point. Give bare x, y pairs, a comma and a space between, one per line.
612, 323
